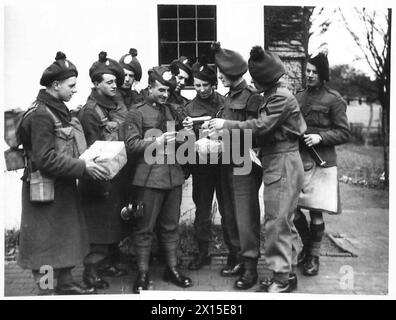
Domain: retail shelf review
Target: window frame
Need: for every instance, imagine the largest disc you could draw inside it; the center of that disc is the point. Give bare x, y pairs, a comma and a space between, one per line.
178, 42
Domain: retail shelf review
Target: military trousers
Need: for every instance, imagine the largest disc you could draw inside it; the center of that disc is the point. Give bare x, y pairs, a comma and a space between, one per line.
206, 181
161, 211
283, 177
100, 254
242, 210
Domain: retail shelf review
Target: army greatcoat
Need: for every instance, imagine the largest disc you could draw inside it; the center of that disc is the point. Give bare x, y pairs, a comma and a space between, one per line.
52, 233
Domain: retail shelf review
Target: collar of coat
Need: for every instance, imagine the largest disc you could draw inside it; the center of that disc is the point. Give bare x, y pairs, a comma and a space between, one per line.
272, 89
240, 87
103, 101
176, 97
150, 101
209, 104
316, 88
54, 103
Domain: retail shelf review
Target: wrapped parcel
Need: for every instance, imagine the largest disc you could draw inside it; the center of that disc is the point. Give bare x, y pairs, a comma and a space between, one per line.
109, 154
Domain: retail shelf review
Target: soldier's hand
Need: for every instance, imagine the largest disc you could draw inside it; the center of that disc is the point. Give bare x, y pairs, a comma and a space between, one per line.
205, 125
215, 134
312, 139
166, 137
216, 123
95, 171
188, 123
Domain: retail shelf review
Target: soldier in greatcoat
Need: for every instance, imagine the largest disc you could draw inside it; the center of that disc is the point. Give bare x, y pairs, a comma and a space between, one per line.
133, 74
53, 234
102, 118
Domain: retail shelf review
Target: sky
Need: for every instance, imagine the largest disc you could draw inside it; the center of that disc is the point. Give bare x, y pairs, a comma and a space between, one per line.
342, 48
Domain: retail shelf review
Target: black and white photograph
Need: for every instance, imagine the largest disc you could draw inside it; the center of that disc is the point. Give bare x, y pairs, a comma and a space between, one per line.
196, 150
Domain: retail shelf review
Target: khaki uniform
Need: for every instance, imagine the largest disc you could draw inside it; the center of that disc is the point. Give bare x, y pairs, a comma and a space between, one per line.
324, 111
276, 133
240, 192
159, 185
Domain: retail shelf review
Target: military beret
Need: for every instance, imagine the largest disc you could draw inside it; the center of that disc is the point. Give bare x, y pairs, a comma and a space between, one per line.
61, 69
181, 63
231, 63
130, 62
163, 75
322, 65
108, 66
202, 71
265, 67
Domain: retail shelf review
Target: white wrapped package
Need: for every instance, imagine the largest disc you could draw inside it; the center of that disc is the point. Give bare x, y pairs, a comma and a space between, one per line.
109, 154
208, 147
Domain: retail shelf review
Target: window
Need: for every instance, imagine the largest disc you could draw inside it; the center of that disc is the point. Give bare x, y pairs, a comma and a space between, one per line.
185, 30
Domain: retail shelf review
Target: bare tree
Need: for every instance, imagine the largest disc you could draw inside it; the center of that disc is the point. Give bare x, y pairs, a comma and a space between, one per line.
375, 44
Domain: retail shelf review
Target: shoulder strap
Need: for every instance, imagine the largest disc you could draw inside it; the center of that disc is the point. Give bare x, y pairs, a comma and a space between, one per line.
140, 104
58, 123
102, 116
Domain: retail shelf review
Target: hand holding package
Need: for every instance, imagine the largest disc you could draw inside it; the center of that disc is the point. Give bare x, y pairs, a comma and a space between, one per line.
109, 154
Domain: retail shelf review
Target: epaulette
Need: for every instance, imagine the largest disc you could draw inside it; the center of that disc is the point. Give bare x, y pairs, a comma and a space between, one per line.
301, 90
333, 92
139, 104
251, 89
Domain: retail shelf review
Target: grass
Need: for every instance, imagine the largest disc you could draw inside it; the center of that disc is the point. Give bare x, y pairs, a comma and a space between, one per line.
364, 165
11, 238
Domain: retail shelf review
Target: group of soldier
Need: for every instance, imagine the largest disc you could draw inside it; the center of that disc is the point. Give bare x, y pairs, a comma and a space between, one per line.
294, 137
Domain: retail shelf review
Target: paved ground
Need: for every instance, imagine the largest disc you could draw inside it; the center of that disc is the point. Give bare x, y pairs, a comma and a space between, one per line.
363, 226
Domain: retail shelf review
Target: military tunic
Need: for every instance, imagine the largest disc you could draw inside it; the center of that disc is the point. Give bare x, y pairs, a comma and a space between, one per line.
240, 192
159, 184
324, 111
52, 233
276, 132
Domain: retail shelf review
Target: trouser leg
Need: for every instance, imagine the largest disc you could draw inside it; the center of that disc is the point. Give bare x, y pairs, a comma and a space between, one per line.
283, 178
65, 276
301, 224
152, 200
295, 248
203, 190
317, 228
226, 207
168, 224
247, 213
97, 254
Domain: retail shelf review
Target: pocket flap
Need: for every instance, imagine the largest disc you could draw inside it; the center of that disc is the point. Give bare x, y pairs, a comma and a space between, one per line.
238, 106
65, 133
270, 178
320, 108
